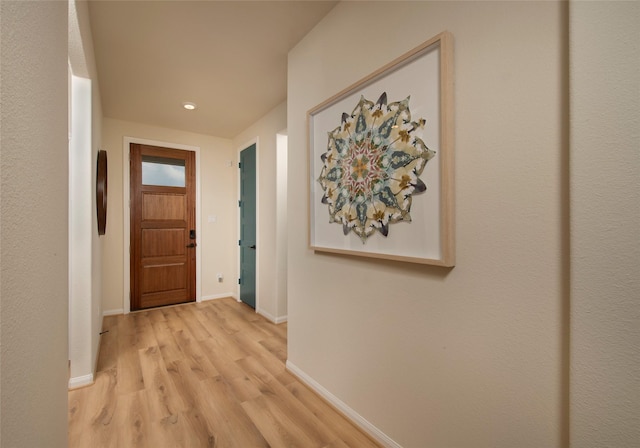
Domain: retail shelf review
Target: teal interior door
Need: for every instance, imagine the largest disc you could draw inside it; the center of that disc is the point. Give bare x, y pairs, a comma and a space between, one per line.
248, 226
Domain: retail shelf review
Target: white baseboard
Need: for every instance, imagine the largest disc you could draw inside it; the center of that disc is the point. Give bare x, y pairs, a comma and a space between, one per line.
80, 381
112, 312
217, 296
356, 418
272, 318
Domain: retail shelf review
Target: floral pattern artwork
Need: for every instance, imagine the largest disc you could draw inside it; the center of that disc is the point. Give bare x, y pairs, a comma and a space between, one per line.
372, 167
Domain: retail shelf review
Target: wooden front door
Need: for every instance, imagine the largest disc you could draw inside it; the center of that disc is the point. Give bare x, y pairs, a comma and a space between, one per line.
163, 239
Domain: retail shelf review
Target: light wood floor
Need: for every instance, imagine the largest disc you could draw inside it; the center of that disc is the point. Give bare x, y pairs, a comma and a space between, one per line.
201, 375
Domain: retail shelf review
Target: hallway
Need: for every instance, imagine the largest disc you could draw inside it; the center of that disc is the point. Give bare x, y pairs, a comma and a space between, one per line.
208, 374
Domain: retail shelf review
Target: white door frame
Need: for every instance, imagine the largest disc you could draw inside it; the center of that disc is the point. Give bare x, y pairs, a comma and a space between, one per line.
127, 215
254, 141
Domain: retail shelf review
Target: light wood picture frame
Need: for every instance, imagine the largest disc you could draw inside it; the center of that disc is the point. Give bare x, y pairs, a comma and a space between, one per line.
381, 162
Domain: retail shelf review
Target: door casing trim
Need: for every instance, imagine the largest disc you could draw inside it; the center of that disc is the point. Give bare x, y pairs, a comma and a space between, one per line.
253, 141
126, 212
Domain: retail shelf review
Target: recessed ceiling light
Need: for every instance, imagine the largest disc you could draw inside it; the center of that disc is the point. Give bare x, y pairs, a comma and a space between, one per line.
189, 106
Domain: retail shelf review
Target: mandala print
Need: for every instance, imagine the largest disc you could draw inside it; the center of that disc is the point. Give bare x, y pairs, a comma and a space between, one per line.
372, 167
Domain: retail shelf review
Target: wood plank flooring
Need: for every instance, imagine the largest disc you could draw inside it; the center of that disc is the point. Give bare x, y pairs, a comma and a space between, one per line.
208, 374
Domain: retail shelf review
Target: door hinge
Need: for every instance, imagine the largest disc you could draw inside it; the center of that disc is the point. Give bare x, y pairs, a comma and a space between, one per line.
239, 242
239, 164
239, 282
239, 203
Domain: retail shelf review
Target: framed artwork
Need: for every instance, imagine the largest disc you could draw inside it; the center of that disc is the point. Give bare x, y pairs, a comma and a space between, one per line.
381, 162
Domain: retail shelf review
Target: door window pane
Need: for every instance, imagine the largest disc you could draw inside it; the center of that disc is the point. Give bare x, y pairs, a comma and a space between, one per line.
163, 171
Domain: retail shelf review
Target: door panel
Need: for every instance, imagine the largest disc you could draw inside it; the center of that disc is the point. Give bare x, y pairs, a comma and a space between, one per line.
162, 215
163, 242
163, 206
163, 278
248, 226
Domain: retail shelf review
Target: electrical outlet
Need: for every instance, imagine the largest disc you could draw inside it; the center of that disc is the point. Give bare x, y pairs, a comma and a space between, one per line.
219, 277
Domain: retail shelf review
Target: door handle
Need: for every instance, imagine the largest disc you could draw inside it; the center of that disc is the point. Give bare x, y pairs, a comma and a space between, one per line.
192, 245
252, 247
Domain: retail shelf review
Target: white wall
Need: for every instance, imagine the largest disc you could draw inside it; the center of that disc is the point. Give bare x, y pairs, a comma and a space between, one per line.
471, 356
218, 240
269, 302
85, 312
282, 157
80, 235
33, 224
605, 224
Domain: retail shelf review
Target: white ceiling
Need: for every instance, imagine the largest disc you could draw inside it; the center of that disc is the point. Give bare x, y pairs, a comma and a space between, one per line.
228, 57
